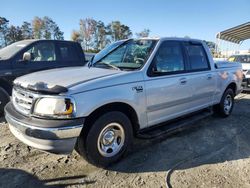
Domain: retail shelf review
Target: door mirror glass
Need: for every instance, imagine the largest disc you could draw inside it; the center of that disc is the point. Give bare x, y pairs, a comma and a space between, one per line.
26, 56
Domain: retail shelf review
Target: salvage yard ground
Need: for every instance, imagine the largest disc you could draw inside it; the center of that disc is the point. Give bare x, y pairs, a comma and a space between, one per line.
215, 153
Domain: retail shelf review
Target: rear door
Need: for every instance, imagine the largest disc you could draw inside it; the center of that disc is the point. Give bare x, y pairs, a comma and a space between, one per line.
168, 89
202, 78
43, 56
69, 55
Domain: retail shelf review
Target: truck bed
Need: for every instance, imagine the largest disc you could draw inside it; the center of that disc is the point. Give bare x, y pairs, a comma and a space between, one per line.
226, 64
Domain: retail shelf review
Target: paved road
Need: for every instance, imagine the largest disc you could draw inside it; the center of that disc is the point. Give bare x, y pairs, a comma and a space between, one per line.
213, 154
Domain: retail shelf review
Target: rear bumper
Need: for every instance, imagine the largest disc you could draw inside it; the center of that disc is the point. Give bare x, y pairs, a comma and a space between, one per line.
55, 136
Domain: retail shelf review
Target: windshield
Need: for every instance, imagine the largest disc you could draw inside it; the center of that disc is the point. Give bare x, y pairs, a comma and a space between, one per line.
107, 49
128, 55
9, 51
240, 58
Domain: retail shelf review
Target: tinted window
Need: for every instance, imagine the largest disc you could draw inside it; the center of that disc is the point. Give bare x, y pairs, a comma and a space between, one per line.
169, 58
44, 51
68, 52
197, 57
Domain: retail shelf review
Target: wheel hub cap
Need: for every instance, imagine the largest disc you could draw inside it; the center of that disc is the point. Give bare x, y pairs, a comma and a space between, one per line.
111, 139
108, 137
228, 104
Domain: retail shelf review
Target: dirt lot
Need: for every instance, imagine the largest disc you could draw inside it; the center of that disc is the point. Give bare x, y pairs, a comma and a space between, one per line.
216, 153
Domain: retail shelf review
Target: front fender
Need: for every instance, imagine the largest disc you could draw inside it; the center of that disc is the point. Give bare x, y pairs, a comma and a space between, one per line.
89, 101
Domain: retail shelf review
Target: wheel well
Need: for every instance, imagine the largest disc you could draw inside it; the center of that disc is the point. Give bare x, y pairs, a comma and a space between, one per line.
6, 86
233, 87
118, 106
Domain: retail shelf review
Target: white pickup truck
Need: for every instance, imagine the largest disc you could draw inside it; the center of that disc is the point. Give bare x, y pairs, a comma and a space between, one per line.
127, 88
244, 59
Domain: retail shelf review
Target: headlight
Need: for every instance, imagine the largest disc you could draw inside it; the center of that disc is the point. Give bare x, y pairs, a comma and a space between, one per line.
54, 107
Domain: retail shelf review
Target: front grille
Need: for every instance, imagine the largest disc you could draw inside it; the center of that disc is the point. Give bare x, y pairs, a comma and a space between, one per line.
22, 100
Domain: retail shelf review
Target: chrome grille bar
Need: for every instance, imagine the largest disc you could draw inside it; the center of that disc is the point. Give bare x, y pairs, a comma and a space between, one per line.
22, 100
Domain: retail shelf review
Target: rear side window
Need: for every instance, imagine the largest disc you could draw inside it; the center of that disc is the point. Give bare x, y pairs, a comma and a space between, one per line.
197, 57
68, 52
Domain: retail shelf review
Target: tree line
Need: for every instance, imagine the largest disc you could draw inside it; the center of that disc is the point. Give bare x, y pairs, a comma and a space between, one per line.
38, 28
94, 35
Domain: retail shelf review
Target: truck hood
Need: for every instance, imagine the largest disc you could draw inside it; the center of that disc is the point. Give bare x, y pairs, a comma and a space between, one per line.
65, 77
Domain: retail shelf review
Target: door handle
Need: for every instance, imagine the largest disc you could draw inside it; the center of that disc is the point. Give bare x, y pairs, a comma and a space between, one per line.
183, 81
209, 76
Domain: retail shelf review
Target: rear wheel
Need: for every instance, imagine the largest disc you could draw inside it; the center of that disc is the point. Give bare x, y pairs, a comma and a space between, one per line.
4, 99
225, 107
107, 140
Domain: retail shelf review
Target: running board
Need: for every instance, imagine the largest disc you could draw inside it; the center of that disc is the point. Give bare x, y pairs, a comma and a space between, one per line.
174, 126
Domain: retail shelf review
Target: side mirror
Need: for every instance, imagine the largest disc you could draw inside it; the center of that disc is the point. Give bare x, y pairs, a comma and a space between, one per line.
26, 56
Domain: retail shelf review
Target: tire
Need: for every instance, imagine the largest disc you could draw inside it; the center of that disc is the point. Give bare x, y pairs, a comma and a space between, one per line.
4, 99
107, 140
225, 107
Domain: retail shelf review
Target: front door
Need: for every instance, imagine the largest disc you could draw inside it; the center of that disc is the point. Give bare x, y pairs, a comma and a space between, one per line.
167, 84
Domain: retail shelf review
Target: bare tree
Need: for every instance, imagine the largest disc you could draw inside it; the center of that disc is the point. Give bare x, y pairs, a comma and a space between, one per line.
46, 28
87, 31
118, 31
3, 31
144, 33
37, 26
75, 36
14, 34
26, 30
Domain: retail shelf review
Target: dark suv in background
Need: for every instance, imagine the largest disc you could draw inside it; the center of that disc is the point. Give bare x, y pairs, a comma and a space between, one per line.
29, 56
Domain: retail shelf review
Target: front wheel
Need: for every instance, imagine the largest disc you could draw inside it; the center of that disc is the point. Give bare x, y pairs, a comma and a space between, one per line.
225, 107
107, 140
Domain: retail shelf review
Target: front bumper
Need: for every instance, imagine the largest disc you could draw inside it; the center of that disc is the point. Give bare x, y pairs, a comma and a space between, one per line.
55, 136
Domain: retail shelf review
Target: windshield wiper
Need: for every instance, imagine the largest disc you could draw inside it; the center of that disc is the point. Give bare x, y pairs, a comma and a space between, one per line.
109, 65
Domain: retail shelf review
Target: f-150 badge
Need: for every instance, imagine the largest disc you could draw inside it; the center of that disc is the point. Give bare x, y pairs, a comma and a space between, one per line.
138, 89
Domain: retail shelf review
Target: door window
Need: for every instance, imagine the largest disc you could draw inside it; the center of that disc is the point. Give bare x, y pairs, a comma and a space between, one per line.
169, 58
68, 53
44, 51
197, 57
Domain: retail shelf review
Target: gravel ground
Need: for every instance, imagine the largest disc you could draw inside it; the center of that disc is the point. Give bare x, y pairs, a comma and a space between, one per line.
215, 153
